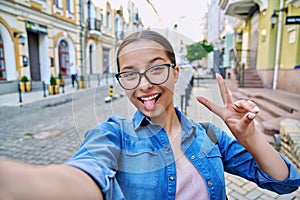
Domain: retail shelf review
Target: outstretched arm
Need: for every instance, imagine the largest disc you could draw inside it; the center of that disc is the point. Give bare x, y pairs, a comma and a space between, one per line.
239, 116
24, 181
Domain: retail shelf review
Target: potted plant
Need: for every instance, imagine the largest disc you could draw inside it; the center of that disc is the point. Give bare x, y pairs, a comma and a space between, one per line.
51, 87
59, 80
25, 84
82, 82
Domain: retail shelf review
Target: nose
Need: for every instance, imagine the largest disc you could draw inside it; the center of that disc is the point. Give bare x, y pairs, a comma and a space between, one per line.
145, 84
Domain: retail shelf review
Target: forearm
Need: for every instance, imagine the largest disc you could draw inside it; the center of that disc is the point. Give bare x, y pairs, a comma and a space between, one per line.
23, 181
266, 156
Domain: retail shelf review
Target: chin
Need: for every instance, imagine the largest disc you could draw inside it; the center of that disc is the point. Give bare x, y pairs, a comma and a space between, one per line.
158, 111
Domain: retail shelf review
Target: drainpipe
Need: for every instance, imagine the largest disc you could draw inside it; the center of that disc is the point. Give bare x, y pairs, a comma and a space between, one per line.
278, 44
81, 21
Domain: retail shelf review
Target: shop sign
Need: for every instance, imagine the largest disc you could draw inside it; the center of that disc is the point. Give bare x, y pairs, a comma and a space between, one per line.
292, 20
37, 28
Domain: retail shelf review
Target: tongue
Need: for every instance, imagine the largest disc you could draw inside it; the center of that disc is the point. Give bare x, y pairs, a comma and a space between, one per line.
149, 104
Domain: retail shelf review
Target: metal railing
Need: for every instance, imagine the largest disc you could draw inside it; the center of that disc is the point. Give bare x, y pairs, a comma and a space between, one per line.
238, 66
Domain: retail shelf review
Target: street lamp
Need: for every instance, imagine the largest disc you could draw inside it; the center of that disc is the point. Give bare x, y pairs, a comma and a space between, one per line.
274, 17
21, 38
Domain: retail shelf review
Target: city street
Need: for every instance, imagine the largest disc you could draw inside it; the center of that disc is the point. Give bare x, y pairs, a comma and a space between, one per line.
50, 132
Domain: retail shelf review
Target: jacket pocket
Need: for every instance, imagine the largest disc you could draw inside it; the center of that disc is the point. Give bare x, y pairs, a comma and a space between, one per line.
138, 164
215, 159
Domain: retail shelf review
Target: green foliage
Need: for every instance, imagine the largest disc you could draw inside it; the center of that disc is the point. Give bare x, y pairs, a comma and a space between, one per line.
52, 80
59, 76
81, 78
198, 50
24, 79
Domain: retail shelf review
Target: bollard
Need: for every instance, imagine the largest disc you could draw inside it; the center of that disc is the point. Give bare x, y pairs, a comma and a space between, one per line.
44, 88
111, 91
63, 87
89, 81
98, 79
20, 93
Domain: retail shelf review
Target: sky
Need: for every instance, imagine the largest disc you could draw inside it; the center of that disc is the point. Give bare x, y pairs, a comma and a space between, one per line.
187, 14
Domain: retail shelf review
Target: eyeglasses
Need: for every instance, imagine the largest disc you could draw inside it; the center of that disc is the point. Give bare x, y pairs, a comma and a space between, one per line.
156, 75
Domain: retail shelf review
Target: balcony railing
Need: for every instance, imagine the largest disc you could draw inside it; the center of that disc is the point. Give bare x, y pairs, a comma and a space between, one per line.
94, 24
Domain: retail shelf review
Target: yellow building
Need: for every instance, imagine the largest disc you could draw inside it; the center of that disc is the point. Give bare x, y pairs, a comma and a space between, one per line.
266, 42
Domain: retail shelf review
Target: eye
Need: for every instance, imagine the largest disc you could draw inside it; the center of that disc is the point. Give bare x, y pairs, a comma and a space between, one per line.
157, 69
129, 75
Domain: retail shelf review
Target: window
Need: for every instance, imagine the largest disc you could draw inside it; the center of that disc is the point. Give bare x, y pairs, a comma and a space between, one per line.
2, 61
63, 55
58, 3
70, 6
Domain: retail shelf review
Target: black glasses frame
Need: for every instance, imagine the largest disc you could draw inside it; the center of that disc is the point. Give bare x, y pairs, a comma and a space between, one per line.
144, 74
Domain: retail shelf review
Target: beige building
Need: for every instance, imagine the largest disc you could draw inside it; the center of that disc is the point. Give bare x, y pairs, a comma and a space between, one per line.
40, 38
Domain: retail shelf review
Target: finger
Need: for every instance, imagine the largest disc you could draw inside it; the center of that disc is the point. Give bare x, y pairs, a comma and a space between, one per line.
246, 105
224, 90
212, 107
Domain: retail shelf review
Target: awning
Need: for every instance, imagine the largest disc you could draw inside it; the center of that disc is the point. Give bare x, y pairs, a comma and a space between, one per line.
241, 8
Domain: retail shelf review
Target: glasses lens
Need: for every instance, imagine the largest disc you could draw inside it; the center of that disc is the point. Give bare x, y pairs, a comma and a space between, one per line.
158, 74
129, 80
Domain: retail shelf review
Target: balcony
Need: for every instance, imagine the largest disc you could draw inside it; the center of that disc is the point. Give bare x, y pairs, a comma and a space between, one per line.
241, 8
94, 24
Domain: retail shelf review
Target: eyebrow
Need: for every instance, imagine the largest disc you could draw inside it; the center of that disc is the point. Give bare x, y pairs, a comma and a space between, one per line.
150, 62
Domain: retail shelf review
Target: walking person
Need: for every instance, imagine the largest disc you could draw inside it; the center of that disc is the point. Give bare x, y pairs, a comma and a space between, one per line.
74, 74
159, 153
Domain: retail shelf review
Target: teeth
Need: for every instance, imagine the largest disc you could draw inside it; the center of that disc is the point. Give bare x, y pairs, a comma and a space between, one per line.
149, 98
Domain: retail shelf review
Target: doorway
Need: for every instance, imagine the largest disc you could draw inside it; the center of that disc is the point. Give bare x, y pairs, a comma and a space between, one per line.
34, 57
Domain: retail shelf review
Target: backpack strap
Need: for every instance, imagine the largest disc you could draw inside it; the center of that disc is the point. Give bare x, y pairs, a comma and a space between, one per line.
210, 132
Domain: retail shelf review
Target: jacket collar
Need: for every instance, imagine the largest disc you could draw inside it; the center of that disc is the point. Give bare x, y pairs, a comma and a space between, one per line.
188, 126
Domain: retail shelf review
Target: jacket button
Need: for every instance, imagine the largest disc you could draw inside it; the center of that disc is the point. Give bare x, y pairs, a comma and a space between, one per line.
192, 157
167, 149
171, 178
210, 183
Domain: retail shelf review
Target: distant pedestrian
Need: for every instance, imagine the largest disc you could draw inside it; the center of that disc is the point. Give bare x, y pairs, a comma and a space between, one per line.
74, 74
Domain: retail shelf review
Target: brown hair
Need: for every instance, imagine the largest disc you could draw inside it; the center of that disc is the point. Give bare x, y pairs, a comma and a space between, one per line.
148, 35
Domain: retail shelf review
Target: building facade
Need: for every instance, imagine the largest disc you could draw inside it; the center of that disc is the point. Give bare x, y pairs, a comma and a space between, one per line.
265, 41
40, 38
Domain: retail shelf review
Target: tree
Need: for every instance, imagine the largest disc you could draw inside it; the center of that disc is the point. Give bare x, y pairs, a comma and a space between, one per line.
198, 50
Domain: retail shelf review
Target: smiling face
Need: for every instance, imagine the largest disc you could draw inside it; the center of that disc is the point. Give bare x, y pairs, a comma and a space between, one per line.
152, 100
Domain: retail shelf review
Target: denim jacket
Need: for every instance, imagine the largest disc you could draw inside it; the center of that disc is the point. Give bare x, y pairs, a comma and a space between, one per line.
133, 159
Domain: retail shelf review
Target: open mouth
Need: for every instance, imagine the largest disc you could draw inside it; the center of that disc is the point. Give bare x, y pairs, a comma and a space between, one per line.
149, 102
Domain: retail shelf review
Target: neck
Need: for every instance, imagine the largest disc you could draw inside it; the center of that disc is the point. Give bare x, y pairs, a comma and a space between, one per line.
169, 121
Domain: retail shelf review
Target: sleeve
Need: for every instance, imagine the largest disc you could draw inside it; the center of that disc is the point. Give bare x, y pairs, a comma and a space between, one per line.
98, 155
238, 161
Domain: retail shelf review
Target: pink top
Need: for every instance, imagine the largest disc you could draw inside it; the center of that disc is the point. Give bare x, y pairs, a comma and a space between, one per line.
190, 183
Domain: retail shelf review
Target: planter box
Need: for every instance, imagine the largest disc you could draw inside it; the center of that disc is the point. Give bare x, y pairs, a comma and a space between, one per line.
56, 88
82, 84
51, 89
22, 86
28, 86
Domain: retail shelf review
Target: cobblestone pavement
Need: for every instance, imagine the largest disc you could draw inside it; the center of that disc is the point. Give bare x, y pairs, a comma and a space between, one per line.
50, 131
237, 188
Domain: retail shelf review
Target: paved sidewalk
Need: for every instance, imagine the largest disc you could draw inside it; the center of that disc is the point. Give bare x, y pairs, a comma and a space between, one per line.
237, 188
12, 99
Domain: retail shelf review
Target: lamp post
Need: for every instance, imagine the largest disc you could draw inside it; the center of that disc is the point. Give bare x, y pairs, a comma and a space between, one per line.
274, 16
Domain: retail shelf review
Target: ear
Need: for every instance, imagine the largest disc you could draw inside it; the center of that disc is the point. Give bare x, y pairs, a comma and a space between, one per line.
176, 73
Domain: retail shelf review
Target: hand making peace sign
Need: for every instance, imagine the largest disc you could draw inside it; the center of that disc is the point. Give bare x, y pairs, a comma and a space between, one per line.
238, 116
